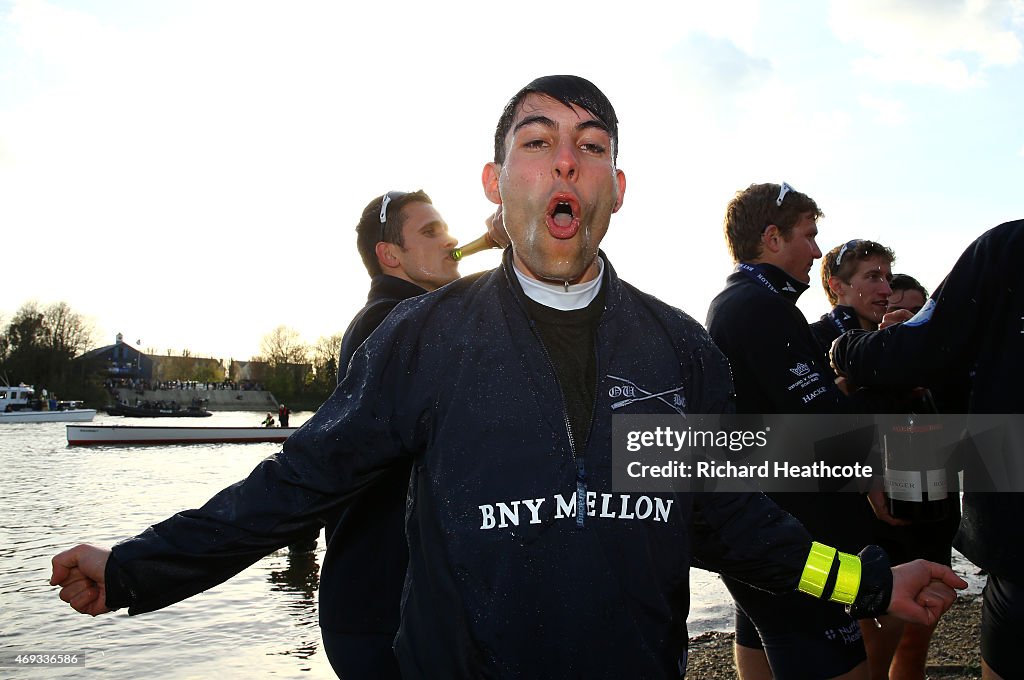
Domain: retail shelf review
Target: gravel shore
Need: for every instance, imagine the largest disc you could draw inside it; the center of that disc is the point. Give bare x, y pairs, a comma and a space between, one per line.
954, 652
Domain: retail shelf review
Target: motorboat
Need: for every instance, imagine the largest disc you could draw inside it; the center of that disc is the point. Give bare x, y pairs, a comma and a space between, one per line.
94, 435
20, 405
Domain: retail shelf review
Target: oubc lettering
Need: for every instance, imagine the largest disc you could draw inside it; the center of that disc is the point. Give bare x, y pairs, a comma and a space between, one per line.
624, 506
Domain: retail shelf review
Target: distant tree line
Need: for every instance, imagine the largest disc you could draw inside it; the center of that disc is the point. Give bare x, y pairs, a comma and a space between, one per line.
38, 346
283, 349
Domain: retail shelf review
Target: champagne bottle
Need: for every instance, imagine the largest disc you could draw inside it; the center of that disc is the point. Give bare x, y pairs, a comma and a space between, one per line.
916, 479
483, 243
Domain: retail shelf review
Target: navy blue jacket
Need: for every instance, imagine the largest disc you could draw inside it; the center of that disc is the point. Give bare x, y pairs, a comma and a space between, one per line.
830, 326
364, 567
776, 362
384, 295
504, 580
973, 325
779, 367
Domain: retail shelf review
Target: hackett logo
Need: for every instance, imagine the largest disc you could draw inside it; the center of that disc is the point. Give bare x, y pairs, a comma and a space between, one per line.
800, 369
611, 506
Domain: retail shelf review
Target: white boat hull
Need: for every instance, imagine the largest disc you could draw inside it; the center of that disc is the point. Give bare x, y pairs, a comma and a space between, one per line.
93, 435
77, 415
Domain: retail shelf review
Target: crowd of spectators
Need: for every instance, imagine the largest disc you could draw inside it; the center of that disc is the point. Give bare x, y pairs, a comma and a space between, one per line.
140, 385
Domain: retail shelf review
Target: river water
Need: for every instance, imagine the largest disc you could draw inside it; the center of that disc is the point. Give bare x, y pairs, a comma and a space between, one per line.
261, 623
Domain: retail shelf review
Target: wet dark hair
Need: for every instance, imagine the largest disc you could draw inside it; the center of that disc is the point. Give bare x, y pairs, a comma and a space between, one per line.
369, 231
570, 90
755, 208
907, 282
851, 253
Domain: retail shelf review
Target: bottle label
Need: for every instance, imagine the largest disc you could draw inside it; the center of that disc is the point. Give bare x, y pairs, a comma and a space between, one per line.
938, 487
904, 485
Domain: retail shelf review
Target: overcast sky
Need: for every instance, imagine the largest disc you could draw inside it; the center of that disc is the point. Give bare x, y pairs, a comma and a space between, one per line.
190, 173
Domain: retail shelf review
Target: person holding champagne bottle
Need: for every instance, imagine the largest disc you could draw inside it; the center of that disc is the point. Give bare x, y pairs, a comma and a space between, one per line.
857, 278
498, 390
971, 327
404, 244
406, 248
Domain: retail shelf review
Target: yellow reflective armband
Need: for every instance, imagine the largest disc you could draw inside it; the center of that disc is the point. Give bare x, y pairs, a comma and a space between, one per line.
817, 568
848, 579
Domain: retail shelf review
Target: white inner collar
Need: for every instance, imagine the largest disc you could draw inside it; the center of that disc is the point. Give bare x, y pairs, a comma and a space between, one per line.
558, 296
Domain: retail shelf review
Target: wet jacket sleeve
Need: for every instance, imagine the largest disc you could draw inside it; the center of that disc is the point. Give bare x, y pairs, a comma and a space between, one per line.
369, 423
748, 537
744, 535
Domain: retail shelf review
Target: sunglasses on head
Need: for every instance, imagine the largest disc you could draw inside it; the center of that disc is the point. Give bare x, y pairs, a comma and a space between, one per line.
846, 247
783, 190
388, 197
852, 246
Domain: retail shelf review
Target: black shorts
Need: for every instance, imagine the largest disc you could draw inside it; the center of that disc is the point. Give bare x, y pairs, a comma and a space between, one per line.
803, 637
1002, 626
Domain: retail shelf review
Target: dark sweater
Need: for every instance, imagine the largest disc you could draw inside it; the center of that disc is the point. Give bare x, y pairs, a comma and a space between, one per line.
568, 336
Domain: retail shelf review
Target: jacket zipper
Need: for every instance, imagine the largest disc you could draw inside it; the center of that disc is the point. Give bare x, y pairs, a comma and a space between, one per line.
581, 472
581, 478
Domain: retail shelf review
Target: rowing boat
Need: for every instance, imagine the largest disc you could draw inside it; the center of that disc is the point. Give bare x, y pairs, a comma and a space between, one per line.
93, 435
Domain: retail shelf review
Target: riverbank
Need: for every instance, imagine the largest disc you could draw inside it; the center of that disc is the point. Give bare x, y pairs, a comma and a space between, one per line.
954, 653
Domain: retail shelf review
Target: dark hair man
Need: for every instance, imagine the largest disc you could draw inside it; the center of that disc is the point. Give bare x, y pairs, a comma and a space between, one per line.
771, 232
907, 294
499, 389
418, 254
405, 247
971, 326
855, 276
779, 367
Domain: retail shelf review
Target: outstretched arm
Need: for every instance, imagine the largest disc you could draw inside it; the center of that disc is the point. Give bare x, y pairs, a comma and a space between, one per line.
785, 558
80, 574
358, 434
917, 592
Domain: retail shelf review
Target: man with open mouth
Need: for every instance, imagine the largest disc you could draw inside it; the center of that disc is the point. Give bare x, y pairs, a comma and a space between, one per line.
498, 390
